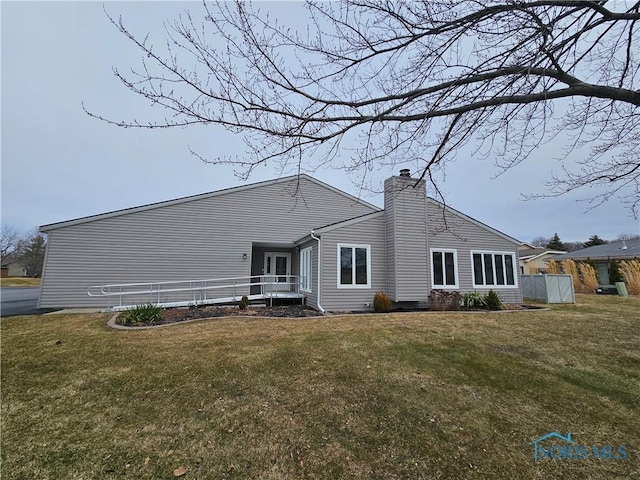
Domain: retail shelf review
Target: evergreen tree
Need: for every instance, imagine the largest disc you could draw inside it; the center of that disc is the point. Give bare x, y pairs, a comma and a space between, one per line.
556, 244
594, 240
614, 272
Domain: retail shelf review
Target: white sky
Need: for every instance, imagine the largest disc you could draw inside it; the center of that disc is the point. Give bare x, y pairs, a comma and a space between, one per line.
59, 164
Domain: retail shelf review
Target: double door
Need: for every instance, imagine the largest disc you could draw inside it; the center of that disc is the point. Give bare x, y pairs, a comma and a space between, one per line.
277, 271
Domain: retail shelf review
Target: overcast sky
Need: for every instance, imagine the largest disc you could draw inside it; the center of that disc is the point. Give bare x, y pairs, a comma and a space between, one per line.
59, 164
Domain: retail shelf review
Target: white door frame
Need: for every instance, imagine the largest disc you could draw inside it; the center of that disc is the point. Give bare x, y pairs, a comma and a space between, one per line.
271, 276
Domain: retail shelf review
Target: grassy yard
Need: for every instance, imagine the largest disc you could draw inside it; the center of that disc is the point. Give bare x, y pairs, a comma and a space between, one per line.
429, 395
19, 282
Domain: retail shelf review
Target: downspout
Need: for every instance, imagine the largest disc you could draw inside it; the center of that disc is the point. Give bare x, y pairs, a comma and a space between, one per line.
319, 267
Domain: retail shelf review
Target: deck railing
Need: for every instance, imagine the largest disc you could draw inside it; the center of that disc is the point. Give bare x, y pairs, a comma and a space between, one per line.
121, 296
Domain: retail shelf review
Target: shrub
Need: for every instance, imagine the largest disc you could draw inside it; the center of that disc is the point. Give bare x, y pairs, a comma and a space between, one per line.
473, 300
244, 303
569, 267
552, 267
630, 270
492, 300
588, 278
614, 272
593, 264
444, 300
142, 315
381, 303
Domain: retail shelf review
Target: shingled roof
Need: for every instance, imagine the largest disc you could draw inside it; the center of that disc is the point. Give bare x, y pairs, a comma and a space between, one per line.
619, 250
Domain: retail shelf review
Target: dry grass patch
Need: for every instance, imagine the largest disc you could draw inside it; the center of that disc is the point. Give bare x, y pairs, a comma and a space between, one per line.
428, 395
19, 282
588, 278
630, 270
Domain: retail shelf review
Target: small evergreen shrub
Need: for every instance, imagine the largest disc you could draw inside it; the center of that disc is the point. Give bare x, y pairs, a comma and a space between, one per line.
244, 303
381, 303
473, 300
444, 300
142, 315
492, 300
614, 272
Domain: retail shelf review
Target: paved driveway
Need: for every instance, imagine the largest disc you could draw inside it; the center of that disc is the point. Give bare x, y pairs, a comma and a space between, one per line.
20, 301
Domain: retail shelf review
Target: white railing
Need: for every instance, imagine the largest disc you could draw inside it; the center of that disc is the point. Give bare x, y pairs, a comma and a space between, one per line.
179, 293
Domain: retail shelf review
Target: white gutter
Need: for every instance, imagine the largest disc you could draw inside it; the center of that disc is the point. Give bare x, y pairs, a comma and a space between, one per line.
319, 268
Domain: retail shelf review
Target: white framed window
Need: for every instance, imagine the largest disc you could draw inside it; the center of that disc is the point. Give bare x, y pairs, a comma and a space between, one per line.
494, 269
444, 268
354, 266
305, 269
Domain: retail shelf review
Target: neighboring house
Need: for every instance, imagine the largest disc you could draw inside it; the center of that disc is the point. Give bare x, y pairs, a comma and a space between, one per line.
603, 254
13, 268
533, 260
343, 248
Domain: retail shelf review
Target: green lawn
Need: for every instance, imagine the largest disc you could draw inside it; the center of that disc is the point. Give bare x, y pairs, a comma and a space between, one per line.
429, 395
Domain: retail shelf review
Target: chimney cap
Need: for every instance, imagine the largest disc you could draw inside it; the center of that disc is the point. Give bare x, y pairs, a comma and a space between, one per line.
405, 172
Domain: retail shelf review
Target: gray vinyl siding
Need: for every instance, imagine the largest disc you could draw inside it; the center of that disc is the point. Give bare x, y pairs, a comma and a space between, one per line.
448, 230
406, 237
196, 239
370, 231
390, 232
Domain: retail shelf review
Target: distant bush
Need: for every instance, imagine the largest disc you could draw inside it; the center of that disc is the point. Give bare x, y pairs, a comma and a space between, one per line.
588, 278
593, 265
492, 300
444, 300
381, 303
614, 272
244, 303
630, 270
142, 315
473, 300
569, 267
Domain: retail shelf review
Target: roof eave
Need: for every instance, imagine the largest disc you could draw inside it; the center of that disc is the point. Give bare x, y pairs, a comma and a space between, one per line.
347, 222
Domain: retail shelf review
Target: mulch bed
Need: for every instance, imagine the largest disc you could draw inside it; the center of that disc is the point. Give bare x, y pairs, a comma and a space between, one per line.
175, 315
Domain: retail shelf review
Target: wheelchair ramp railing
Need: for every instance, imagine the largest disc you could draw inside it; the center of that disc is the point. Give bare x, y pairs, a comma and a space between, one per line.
183, 293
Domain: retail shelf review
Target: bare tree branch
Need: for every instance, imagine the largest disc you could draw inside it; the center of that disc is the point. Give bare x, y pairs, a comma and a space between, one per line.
398, 82
12, 243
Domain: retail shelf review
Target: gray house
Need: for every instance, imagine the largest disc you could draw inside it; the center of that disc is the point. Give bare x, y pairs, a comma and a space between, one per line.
602, 255
290, 237
535, 260
13, 268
